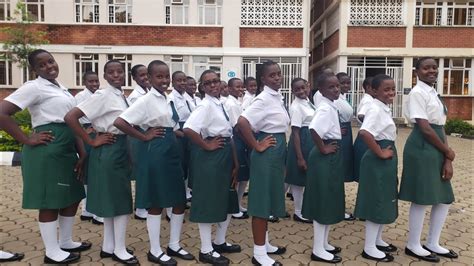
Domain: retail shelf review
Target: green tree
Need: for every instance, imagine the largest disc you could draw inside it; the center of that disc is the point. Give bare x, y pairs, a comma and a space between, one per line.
21, 38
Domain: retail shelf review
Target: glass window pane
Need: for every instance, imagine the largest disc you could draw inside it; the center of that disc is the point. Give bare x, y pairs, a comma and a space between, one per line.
87, 13
466, 82
2, 12
120, 14
210, 15
33, 12
428, 16
3, 73
445, 82
456, 82
460, 16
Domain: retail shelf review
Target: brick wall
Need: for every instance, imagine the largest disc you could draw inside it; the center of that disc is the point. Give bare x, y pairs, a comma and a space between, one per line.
452, 37
318, 8
328, 46
131, 35
364, 36
459, 107
271, 38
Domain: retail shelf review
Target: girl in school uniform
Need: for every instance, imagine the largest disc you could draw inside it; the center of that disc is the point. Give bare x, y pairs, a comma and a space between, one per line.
359, 145
317, 97
215, 155
234, 109
323, 200
140, 76
377, 196
345, 116
224, 94
109, 190
424, 184
91, 82
268, 119
190, 91
154, 113
50, 165
250, 84
301, 114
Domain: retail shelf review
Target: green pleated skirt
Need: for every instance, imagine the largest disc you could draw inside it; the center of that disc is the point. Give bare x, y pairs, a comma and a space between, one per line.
49, 180
347, 153
137, 156
87, 148
295, 175
377, 196
211, 184
162, 183
109, 192
422, 182
323, 199
242, 152
266, 186
184, 149
359, 150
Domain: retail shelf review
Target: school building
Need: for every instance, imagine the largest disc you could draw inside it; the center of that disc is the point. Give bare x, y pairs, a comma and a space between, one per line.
369, 37
232, 37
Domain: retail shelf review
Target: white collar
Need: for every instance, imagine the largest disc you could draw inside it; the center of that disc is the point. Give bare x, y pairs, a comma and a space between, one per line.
46, 82
140, 90
426, 87
329, 102
382, 105
215, 100
271, 91
177, 94
114, 90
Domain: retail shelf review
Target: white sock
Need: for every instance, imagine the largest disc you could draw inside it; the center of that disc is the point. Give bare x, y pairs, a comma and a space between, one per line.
205, 232
153, 224
49, 234
260, 254
297, 193
97, 218
268, 246
327, 246
187, 189
5, 255
379, 241
371, 231
240, 194
108, 244
437, 219
84, 205
176, 223
415, 225
346, 215
318, 242
120, 229
65, 232
221, 231
142, 213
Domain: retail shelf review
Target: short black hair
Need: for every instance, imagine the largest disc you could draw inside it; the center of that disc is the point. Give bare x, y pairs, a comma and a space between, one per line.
135, 68
32, 56
155, 63
88, 73
231, 82
322, 78
111, 62
190, 78
378, 79
249, 79
177, 73
293, 82
341, 75
420, 60
367, 82
205, 73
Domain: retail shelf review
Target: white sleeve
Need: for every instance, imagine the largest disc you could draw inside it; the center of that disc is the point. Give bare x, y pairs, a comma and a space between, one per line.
372, 121
135, 114
320, 122
255, 113
197, 120
417, 106
296, 116
95, 106
25, 96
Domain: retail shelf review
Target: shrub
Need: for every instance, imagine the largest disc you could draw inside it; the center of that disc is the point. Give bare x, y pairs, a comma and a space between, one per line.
7, 142
459, 126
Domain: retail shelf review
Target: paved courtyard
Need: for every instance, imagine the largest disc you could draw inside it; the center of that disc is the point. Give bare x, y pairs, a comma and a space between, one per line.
19, 229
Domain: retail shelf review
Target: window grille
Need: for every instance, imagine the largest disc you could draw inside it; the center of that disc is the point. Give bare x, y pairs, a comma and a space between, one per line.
120, 11
376, 12
276, 13
35, 9
87, 11
84, 63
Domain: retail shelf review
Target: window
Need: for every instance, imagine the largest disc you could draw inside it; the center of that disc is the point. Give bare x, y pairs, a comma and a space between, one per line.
84, 63
177, 63
35, 9
376, 12
176, 11
277, 13
456, 73
4, 10
28, 74
202, 63
87, 11
5, 70
210, 12
126, 60
444, 14
120, 11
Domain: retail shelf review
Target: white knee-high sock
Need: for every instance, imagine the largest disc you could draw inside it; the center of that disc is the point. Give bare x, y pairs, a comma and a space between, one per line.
260, 254
221, 231
142, 213
318, 241
327, 246
176, 223
437, 219
120, 229
268, 246
205, 232
84, 204
415, 224
153, 225
65, 232
49, 234
371, 231
108, 244
297, 193
379, 241
169, 212
240, 193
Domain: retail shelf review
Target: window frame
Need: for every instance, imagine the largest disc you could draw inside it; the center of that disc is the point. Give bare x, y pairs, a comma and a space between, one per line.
217, 5
79, 10
447, 14
112, 15
40, 7
8, 70
79, 60
169, 18
6, 9
126, 60
466, 86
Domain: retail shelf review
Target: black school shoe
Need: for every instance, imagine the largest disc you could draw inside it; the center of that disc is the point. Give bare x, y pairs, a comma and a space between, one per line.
154, 259
350, 218
241, 217
336, 259
450, 255
255, 262
173, 253
279, 251
132, 261
208, 258
85, 245
104, 254
73, 257
335, 250
430, 258
97, 222
387, 258
301, 220
224, 248
273, 219
15, 257
85, 218
389, 248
